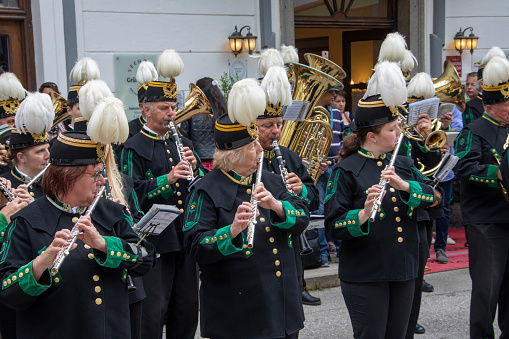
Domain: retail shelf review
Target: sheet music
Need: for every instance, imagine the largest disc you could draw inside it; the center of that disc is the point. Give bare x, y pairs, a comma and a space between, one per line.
451, 136
157, 219
297, 111
444, 107
426, 106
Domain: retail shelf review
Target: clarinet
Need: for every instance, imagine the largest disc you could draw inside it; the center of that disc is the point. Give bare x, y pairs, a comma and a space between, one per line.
306, 248
64, 252
6, 192
178, 142
383, 181
252, 220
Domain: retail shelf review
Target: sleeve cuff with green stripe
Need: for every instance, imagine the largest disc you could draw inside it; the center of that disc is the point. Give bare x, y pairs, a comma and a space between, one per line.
416, 195
491, 177
26, 280
115, 253
163, 188
291, 214
223, 241
304, 194
351, 222
3, 226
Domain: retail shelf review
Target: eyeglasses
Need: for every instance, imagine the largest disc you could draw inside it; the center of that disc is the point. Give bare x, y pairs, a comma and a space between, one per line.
98, 173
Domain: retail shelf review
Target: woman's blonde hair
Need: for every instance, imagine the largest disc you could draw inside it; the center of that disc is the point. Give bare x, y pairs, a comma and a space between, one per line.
225, 159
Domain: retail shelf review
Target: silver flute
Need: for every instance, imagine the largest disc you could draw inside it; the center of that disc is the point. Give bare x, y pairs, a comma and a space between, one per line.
178, 142
34, 179
75, 231
281, 162
252, 220
383, 181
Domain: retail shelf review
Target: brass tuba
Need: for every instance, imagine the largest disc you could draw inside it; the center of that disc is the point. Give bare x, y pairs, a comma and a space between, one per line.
448, 87
196, 103
325, 65
60, 106
434, 139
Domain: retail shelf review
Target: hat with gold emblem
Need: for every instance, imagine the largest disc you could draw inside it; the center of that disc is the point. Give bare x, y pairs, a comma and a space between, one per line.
246, 102
277, 92
84, 70
146, 73
496, 81
169, 65
11, 94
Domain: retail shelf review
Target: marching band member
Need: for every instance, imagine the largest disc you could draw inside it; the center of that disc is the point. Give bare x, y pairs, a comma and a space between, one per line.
29, 145
245, 292
378, 259
277, 91
87, 297
153, 159
146, 73
479, 147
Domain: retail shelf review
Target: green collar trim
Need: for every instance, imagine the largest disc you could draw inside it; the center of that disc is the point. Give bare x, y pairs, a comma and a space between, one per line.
66, 207
269, 154
490, 119
18, 175
154, 135
369, 154
239, 179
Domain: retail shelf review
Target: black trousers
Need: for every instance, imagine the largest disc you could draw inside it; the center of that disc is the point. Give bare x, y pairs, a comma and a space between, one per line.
425, 232
172, 298
379, 309
488, 254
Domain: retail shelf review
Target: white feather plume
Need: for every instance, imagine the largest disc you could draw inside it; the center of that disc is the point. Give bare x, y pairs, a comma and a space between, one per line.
90, 95
493, 52
35, 113
246, 101
11, 87
271, 57
289, 54
421, 86
389, 83
146, 73
108, 123
169, 64
84, 70
276, 86
393, 48
496, 71
409, 61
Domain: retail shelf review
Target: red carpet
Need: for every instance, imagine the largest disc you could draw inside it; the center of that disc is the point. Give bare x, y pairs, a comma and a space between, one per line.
457, 254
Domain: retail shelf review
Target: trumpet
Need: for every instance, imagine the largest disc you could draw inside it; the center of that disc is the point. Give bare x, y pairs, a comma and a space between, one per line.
191, 178
383, 181
64, 252
252, 220
305, 247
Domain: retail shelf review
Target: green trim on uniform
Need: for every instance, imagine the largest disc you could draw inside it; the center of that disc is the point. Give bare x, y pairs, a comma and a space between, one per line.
381, 214
163, 188
496, 155
416, 195
490, 119
128, 218
468, 116
410, 212
114, 253
331, 186
465, 143
491, 177
289, 241
130, 163
291, 215
351, 222
149, 174
223, 241
405, 149
193, 211
422, 147
419, 174
7, 244
26, 280
304, 194
3, 226
123, 277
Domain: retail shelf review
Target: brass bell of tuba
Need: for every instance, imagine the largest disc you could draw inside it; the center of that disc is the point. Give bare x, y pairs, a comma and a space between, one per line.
196, 103
325, 65
434, 139
448, 87
60, 106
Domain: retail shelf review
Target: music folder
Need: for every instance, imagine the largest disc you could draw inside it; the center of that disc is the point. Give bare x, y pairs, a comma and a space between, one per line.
426, 106
296, 111
156, 219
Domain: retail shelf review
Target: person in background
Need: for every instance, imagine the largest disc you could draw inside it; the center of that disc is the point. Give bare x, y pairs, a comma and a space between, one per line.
200, 128
48, 87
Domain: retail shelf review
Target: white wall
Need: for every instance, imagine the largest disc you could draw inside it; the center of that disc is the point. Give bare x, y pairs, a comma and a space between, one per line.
489, 18
197, 29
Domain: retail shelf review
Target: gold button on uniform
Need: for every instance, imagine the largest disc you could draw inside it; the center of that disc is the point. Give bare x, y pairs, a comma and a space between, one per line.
396, 209
267, 229
278, 273
168, 151
87, 247
180, 202
32, 193
57, 280
262, 219
393, 199
392, 189
98, 301
91, 256
400, 229
181, 210
179, 194
177, 185
248, 252
274, 251
379, 163
75, 219
398, 219
277, 263
271, 239
97, 289
400, 239
95, 277
248, 191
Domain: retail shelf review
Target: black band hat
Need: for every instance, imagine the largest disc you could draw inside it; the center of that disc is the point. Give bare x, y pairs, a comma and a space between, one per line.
496, 81
8, 108
76, 149
72, 96
146, 73
230, 135
278, 92
372, 111
161, 91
